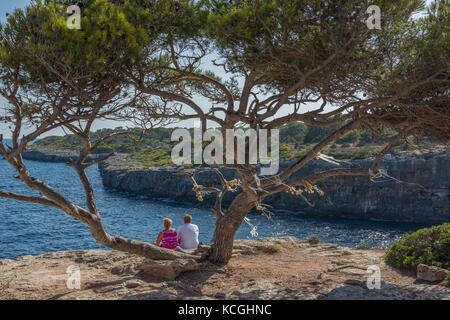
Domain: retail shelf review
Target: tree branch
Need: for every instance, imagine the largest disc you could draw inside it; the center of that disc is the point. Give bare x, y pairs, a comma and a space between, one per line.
31, 199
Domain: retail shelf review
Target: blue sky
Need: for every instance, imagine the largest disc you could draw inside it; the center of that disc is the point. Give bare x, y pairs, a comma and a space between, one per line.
9, 5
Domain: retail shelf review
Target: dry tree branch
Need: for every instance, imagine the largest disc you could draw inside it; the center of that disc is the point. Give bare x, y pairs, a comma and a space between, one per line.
201, 190
20, 197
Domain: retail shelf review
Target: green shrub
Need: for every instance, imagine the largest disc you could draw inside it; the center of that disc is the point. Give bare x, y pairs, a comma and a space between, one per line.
314, 240
300, 154
447, 279
349, 137
360, 154
284, 152
293, 132
272, 249
151, 157
363, 246
430, 246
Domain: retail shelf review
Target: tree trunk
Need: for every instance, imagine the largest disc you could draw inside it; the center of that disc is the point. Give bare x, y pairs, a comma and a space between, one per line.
222, 247
226, 227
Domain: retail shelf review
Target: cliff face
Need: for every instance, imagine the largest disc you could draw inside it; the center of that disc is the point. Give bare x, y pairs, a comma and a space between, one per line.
53, 155
420, 193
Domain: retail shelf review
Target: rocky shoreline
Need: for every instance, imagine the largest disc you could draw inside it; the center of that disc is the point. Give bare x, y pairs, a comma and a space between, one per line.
419, 193
269, 268
54, 155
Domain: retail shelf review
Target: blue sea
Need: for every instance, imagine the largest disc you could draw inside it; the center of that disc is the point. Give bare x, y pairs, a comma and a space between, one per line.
34, 229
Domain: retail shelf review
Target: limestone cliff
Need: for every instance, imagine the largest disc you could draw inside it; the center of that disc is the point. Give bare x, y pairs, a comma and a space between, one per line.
53, 155
419, 193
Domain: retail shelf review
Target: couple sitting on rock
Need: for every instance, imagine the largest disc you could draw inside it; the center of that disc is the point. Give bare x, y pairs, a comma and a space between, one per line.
186, 237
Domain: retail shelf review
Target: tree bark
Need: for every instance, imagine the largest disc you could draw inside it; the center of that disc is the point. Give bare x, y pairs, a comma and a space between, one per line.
223, 239
226, 227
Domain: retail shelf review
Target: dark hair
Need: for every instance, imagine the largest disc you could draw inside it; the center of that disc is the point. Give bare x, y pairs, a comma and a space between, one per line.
187, 218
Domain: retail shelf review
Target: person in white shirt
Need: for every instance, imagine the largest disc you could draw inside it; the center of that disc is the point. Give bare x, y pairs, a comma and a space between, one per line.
188, 234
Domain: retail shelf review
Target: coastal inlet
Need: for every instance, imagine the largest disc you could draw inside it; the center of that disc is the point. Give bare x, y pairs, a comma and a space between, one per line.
35, 229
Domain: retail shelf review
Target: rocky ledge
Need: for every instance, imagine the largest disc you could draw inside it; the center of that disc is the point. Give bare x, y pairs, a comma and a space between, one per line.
419, 191
270, 268
53, 155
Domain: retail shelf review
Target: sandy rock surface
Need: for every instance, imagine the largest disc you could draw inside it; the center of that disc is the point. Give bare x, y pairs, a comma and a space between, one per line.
431, 273
271, 268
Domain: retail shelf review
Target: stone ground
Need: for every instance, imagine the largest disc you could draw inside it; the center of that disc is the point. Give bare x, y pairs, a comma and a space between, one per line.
271, 268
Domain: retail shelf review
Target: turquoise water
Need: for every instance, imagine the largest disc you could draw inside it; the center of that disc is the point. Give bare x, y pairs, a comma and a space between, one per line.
35, 229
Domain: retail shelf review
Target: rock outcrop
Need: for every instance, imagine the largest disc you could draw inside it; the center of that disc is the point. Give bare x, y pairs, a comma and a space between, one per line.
53, 155
431, 273
268, 268
419, 191
169, 269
